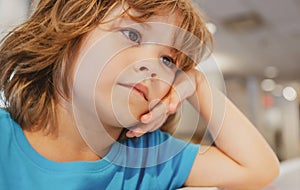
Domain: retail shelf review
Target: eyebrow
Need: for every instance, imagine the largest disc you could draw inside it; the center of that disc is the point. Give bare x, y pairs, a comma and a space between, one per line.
124, 19
143, 24
127, 20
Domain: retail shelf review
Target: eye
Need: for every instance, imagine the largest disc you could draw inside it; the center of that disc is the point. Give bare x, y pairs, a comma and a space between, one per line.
168, 61
132, 34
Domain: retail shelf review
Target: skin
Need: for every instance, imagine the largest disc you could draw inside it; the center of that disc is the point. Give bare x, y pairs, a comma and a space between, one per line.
241, 160
138, 62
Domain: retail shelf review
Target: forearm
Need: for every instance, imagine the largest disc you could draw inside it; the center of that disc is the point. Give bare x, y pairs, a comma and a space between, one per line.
233, 133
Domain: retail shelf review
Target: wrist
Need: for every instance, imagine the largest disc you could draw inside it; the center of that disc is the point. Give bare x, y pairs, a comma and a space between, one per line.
201, 93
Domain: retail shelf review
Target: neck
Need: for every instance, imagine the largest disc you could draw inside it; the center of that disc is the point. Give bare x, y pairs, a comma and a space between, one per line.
68, 144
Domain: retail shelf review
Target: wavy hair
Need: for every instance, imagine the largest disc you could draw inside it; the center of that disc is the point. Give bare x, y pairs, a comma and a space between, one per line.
36, 57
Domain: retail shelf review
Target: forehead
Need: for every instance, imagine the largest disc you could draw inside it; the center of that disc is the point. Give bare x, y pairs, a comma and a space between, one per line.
169, 15
159, 29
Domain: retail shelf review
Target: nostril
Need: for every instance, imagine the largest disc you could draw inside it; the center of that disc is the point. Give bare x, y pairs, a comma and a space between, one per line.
153, 75
143, 68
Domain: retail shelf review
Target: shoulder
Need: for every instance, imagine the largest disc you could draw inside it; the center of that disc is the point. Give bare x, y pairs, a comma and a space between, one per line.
6, 125
159, 140
3, 113
172, 157
5, 119
153, 149
157, 154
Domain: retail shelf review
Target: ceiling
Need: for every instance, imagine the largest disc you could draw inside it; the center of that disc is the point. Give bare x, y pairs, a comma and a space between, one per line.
253, 35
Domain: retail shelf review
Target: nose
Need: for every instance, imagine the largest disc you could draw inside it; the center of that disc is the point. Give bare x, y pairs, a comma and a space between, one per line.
147, 60
147, 69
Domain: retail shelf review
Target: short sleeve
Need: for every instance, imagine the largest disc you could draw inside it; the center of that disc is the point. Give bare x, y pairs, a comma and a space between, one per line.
160, 155
174, 172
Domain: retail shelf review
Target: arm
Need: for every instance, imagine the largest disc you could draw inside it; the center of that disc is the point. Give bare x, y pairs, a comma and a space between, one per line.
241, 159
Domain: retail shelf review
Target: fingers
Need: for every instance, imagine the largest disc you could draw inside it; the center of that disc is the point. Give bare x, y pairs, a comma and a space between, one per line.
150, 121
183, 87
156, 112
174, 101
168, 105
141, 129
130, 134
154, 119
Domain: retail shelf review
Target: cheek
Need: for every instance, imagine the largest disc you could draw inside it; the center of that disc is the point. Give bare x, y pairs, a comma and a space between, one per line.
126, 107
118, 106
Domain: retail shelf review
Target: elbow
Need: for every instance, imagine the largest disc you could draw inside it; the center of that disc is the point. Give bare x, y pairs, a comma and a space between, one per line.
274, 173
266, 170
264, 176
272, 170
254, 179
260, 176
269, 176
275, 170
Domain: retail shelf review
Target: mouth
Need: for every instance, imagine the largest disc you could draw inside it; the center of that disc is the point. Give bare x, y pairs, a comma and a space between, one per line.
137, 88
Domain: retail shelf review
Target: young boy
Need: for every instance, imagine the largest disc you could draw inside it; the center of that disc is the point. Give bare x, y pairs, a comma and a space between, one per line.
78, 73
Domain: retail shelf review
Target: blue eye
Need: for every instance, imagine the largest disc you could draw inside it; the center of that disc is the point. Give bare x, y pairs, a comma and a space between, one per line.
132, 35
168, 61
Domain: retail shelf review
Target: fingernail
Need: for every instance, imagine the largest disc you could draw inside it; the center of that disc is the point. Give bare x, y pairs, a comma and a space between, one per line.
172, 106
128, 134
145, 118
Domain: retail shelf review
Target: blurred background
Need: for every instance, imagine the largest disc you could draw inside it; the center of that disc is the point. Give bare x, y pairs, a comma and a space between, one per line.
257, 50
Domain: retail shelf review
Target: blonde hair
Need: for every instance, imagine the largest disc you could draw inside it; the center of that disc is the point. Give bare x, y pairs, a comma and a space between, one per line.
36, 57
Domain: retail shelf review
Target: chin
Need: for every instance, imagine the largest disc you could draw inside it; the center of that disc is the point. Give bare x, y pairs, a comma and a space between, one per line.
125, 120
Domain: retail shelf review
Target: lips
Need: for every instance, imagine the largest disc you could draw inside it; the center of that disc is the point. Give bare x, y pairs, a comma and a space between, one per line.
138, 87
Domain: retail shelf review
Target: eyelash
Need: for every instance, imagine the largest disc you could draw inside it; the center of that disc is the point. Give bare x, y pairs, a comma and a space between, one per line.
171, 63
128, 32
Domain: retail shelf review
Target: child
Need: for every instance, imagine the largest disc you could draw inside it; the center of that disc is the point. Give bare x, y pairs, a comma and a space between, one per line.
78, 73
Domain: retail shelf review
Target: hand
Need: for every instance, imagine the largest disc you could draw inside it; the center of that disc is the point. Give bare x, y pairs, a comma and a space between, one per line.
183, 87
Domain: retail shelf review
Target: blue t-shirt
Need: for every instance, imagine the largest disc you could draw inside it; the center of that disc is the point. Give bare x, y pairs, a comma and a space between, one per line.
153, 161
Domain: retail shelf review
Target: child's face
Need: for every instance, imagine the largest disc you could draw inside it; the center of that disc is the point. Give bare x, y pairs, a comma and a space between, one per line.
124, 68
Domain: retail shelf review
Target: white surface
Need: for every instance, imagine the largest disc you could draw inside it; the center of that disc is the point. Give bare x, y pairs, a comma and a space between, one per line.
289, 178
199, 188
